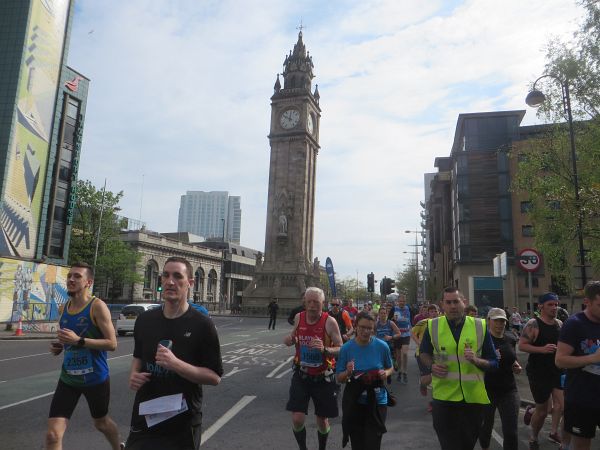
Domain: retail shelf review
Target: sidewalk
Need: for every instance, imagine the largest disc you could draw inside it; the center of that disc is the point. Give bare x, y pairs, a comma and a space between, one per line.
10, 335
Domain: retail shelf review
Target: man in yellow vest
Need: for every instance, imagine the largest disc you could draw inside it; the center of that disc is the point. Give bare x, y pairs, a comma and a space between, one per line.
457, 349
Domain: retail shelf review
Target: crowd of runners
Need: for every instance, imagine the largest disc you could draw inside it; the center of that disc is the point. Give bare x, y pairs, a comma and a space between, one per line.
468, 363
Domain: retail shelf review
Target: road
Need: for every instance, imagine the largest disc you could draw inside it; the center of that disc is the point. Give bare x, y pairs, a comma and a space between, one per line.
246, 411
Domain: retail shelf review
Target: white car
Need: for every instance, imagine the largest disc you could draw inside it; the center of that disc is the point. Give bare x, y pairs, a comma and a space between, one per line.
129, 314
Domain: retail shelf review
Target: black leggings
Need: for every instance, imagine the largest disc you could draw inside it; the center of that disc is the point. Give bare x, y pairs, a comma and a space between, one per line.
364, 435
507, 404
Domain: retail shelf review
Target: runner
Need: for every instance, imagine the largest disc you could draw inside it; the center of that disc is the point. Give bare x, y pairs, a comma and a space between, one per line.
386, 330
342, 318
515, 321
317, 340
364, 363
402, 321
501, 385
417, 333
176, 351
539, 339
579, 352
86, 333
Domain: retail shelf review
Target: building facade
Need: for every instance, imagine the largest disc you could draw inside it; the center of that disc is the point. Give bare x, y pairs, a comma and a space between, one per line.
213, 214
473, 215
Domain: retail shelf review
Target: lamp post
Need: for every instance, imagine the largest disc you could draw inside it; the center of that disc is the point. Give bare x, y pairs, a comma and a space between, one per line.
416, 245
535, 99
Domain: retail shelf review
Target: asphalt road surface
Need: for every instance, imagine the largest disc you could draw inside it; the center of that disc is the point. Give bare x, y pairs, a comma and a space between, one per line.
246, 411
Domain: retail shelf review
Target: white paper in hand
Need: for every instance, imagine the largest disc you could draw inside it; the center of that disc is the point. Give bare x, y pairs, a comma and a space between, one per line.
163, 404
153, 419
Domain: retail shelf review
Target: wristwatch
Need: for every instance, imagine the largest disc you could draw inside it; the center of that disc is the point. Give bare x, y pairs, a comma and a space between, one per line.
81, 342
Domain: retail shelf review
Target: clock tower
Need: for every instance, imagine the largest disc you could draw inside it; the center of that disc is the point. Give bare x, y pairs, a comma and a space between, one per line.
288, 267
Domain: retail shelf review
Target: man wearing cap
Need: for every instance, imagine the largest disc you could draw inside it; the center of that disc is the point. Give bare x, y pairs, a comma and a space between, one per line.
457, 349
539, 338
579, 352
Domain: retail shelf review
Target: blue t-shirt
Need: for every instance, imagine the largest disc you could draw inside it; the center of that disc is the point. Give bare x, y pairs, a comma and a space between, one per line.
582, 386
402, 320
374, 356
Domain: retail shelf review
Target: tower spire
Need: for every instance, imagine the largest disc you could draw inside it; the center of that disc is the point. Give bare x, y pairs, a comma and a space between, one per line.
298, 66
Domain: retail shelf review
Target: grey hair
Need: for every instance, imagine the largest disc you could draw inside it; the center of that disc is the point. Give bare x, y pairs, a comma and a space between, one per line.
316, 290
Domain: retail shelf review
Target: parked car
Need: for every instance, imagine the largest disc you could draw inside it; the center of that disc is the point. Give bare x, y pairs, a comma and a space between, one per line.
115, 310
129, 314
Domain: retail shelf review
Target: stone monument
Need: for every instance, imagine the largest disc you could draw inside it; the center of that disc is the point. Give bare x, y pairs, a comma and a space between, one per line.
288, 267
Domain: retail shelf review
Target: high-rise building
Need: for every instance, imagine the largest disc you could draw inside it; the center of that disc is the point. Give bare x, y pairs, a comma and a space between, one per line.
213, 215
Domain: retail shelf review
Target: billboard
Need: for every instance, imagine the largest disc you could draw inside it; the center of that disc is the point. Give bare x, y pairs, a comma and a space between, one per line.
27, 159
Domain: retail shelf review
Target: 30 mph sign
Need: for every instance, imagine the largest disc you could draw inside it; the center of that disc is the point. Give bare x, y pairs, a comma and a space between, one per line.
529, 260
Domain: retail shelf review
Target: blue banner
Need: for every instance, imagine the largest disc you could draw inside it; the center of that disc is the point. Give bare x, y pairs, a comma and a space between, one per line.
330, 275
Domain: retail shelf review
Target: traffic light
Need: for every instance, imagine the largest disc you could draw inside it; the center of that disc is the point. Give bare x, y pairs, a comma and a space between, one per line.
159, 285
391, 285
371, 282
387, 286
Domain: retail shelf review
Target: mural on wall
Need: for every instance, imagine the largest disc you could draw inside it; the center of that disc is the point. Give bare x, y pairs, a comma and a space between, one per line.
28, 153
31, 291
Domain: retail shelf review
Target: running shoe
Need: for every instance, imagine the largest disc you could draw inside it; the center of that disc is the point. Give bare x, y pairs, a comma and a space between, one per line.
430, 407
534, 445
423, 390
527, 416
122, 446
554, 437
399, 377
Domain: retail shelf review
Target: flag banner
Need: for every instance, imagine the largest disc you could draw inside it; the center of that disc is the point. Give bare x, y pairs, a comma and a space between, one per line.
330, 275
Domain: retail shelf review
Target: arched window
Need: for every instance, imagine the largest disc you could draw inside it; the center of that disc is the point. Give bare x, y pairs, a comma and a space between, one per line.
211, 291
151, 275
199, 284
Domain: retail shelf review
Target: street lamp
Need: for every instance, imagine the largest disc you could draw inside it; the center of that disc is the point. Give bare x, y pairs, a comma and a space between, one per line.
535, 99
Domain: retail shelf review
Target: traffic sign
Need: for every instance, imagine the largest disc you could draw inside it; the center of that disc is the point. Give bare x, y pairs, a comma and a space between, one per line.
529, 260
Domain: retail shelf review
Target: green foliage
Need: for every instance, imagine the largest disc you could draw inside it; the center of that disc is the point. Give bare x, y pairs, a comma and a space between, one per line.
407, 283
116, 261
545, 170
351, 288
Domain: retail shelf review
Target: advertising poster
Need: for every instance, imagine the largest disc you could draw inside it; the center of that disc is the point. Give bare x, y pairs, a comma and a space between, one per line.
27, 162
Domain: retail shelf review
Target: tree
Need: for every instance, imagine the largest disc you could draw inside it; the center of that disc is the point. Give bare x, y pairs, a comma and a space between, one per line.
407, 282
117, 262
545, 171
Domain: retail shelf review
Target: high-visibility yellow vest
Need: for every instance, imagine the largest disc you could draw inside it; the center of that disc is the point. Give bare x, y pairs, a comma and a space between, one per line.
465, 380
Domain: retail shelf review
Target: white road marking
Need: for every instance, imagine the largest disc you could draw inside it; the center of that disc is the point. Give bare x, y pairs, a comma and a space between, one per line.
26, 356
234, 371
242, 335
498, 438
26, 400
284, 372
274, 371
238, 342
222, 421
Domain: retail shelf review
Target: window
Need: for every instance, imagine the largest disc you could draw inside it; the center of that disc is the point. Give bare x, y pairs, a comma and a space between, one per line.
534, 282
526, 207
527, 231
554, 205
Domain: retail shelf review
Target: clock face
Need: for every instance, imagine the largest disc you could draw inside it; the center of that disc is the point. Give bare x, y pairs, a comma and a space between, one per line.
310, 124
289, 119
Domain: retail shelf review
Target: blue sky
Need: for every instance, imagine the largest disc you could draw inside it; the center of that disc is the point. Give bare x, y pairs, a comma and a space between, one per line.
180, 89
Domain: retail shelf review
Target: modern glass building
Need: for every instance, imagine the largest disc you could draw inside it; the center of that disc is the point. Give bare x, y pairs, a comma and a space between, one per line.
213, 215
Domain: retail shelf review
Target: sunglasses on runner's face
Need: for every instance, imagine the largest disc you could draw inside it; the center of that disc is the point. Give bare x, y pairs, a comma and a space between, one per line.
334, 304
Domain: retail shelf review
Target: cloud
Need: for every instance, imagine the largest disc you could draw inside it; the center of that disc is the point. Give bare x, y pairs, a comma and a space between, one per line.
180, 96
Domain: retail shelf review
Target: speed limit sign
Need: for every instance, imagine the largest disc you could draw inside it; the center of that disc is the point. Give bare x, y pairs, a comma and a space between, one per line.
529, 260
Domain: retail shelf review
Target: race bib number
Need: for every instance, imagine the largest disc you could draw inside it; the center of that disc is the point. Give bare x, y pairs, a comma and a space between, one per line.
592, 368
310, 357
78, 361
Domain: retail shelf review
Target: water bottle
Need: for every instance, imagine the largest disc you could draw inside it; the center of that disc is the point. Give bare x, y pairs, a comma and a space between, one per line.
442, 356
468, 343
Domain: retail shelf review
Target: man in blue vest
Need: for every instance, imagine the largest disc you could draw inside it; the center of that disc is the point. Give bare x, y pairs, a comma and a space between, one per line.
457, 349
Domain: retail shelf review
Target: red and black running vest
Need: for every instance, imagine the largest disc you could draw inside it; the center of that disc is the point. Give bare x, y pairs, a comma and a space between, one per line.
311, 360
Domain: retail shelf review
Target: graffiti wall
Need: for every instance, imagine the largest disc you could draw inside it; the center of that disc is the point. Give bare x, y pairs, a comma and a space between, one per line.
31, 291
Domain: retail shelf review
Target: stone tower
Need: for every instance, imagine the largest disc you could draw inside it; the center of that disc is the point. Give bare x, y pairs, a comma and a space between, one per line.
288, 267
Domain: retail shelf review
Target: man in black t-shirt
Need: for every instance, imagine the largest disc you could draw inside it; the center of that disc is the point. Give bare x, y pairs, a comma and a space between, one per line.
176, 352
579, 352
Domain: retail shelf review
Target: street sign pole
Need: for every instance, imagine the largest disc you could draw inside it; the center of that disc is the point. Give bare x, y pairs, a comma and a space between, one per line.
529, 260
529, 278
